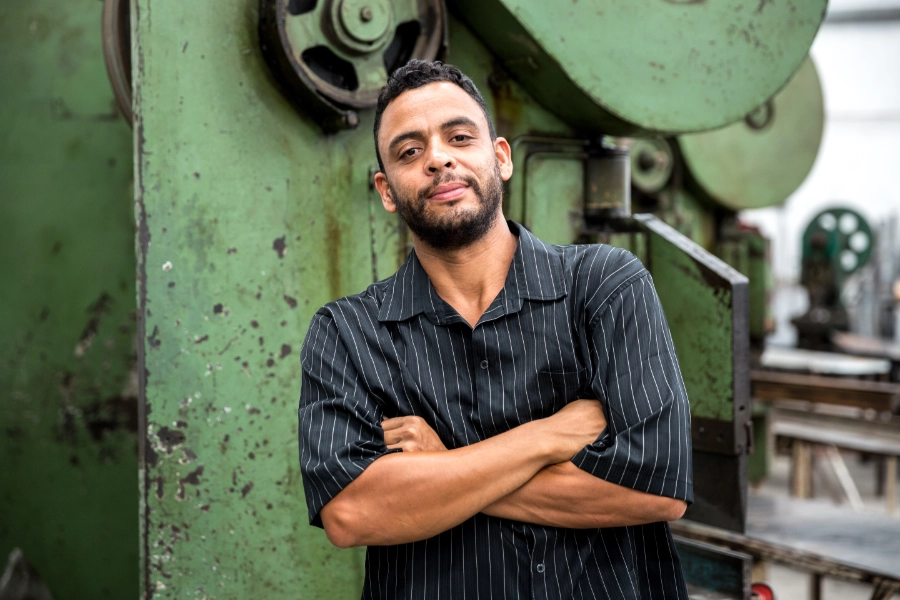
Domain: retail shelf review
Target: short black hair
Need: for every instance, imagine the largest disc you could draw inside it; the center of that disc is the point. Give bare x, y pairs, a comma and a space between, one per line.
417, 73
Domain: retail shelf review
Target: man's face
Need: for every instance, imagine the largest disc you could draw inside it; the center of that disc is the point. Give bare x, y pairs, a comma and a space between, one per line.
443, 173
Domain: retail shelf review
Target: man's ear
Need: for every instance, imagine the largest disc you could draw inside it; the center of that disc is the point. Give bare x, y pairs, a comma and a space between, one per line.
504, 157
384, 190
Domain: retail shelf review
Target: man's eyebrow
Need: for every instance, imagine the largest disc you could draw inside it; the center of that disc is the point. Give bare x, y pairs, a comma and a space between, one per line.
459, 121
414, 135
407, 135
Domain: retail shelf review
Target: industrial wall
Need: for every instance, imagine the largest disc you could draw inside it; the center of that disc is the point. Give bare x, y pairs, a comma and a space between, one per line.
68, 390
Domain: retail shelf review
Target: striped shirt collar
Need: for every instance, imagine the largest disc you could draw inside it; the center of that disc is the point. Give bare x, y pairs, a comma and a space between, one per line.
536, 273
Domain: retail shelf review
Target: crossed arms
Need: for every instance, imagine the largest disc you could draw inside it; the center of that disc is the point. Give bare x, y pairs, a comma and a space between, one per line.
523, 474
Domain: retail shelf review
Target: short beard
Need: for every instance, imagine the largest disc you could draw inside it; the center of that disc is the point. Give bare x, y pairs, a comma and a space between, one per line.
455, 230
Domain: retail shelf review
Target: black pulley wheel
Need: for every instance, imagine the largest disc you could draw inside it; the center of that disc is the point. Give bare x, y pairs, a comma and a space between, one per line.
332, 57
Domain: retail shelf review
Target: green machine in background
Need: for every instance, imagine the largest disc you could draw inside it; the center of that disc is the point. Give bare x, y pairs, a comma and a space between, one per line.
837, 243
252, 164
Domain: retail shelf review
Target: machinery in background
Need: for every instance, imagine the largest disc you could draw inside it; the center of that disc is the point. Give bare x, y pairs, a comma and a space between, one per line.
837, 243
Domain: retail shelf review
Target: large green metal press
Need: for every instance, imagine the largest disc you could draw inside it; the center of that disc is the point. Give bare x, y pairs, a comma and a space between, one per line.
253, 159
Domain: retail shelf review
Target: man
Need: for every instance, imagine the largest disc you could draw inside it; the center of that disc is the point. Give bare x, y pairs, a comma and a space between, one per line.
440, 419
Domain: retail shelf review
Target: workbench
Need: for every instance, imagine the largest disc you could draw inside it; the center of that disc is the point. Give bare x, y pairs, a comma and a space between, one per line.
813, 536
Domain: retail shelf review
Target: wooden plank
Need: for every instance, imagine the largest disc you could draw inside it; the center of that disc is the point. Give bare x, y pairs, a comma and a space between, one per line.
801, 470
863, 435
849, 441
773, 385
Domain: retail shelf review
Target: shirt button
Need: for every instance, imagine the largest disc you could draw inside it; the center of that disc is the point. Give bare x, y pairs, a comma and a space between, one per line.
540, 568
484, 364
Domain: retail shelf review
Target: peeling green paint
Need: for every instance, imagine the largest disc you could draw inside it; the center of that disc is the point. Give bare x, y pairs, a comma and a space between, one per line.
68, 386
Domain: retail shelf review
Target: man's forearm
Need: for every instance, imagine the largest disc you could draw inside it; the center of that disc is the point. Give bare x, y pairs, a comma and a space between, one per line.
405, 497
565, 496
411, 496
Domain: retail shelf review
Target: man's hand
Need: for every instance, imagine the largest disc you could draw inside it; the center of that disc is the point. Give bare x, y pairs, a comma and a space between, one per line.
576, 425
411, 434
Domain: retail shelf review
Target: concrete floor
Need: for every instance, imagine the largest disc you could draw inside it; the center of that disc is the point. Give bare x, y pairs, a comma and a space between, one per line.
790, 584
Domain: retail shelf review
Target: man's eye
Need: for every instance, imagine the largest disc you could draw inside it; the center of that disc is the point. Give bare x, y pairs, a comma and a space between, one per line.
460, 138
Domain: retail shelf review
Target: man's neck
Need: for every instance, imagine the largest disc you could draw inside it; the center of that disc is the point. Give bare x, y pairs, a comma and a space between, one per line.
469, 278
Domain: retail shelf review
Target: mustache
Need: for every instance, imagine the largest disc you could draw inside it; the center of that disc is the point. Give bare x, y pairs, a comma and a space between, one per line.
441, 179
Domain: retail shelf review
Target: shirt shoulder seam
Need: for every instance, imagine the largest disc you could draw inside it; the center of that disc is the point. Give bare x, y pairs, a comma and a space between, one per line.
629, 281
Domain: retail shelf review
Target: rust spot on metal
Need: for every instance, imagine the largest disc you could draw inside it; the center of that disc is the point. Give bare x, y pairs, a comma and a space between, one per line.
285, 350
262, 340
113, 414
252, 411
280, 246
170, 438
507, 108
171, 284
204, 508
150, 455
217, 309
193, 477
201, 339
254, 324
246, 489
158, 484
232, 250
291, 301
96, 311
332, 252
152, 339
270, 363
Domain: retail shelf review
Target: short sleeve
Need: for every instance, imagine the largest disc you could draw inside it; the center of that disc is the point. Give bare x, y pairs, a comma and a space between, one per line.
339, 429
647, 443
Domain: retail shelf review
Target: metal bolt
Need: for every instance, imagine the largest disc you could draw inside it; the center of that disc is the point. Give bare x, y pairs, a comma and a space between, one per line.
365, 14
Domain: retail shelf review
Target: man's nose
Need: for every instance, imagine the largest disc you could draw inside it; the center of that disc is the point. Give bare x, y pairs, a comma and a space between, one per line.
439, 157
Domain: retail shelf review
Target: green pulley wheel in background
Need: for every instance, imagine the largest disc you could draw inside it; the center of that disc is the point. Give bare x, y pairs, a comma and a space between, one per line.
332, 57
763, 159
652, 163
654, 67
840, 236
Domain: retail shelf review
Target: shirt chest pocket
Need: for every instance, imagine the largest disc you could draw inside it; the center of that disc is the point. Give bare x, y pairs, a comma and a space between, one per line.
556, 389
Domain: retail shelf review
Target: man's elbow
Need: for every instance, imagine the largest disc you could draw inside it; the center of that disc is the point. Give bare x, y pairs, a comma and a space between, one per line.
674, 509
339, 525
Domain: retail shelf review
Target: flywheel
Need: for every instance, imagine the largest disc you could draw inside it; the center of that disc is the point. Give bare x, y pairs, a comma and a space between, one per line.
332, 57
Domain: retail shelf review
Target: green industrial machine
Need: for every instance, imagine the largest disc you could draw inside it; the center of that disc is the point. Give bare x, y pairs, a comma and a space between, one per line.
253, 206
837, 243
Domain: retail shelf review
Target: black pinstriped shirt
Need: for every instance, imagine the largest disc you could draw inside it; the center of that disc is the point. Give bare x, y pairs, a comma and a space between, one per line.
571, 322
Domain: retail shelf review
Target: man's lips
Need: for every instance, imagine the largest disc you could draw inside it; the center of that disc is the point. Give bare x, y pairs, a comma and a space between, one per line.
448, 191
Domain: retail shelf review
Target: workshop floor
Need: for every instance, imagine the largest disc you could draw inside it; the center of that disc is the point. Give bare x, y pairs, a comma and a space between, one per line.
790, 584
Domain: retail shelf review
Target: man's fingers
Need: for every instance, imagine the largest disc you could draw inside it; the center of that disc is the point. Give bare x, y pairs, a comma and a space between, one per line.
392, 437
406, 446
395, 423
